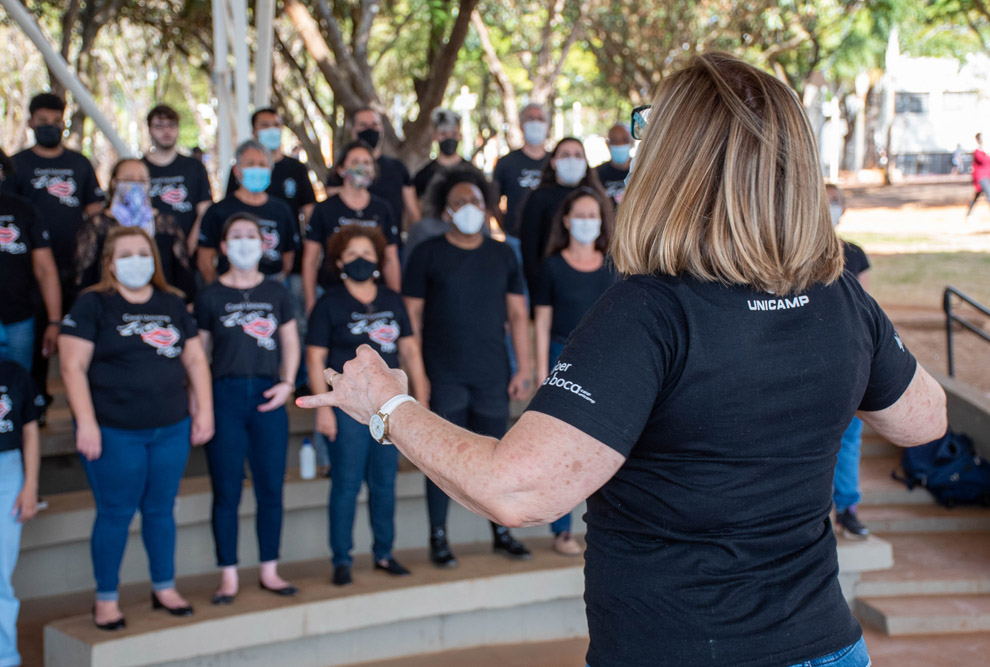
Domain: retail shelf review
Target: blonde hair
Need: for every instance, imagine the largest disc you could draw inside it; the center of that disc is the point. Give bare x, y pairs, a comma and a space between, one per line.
727, 186
108, 283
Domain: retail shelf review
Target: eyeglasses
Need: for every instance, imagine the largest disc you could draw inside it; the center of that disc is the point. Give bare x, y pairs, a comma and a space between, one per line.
640, 117
164, 126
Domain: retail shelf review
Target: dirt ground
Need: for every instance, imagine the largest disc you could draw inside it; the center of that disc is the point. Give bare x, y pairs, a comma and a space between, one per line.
919, 241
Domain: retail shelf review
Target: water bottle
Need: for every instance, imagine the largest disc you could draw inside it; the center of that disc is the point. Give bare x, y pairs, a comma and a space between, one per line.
307, 460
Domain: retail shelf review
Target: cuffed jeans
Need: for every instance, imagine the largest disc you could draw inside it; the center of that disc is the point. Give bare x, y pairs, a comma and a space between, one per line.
17, 342
356, 457
261, 437
137, 469
845, 481
11, 483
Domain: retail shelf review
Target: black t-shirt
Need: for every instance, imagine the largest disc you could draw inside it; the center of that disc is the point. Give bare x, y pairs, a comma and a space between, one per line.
290, 183
426, 174
729, 406
60, 189
535, 224
21, 232
856, 260
280, 230
569, 292
392, 177
613, 180
17, 407
341, 324
464, 310
332, 214
516, 174
178, 187
136, 375
244, 327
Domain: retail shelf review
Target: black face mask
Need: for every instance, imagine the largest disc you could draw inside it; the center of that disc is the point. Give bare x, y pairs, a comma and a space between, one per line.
369, 136
48, 136
448, 146
359, 270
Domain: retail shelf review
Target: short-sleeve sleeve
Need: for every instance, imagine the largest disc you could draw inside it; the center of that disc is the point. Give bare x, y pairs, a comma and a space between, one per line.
184, 319
287, 231
91, 191
498, 174
37, 228
83, 320
204, 191
390, 226
402, 318
406, 176
315, 228
305, 194
320, 326
29, 411
892, 367
515, 283
609, 375
201, 311
415, 277
209, 229
543, 294
285, 312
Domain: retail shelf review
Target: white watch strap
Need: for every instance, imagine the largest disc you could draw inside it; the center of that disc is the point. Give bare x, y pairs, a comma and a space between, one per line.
394, 402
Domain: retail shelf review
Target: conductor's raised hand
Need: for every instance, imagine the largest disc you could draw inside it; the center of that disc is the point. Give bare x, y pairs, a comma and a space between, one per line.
363, 387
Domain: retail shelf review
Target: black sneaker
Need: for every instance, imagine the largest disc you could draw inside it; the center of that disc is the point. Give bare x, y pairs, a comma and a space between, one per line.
851, 525
342, 575
392, 566
440, 553
503, 543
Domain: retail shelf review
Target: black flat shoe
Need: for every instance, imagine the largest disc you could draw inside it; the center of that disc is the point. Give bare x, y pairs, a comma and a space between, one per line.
156, 604
285, 591
342, 575
440, 553
392, 566
119, 624
221, 598
503, 543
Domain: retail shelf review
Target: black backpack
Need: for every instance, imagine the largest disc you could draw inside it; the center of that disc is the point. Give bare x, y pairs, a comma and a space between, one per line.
949, 468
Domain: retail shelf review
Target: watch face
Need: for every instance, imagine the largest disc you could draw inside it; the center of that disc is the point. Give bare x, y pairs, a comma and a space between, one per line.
377, 426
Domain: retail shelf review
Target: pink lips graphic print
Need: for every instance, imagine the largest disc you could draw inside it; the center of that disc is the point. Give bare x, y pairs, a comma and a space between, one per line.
259, 328
9, 235
160, 337
61, 189
173, 196
385, 334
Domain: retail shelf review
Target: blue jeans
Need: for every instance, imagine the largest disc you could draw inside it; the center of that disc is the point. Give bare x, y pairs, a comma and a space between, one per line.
356, 457
845, 482
563, 524
11, 482
137, 469
854, 655
17, 342
260, 437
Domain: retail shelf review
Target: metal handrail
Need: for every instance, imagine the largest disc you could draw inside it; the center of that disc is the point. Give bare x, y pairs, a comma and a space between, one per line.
951, 317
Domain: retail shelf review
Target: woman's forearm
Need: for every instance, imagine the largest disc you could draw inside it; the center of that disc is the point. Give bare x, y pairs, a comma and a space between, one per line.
78, 394
289, 340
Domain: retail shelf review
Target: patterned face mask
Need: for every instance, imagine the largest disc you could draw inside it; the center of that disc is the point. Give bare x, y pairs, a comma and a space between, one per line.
131, 206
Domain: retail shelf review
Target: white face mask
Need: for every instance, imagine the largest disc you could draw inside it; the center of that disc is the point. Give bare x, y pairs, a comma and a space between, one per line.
535, 132
835, 211
134, 272
570, 170
468, 219
586, 230
244, 254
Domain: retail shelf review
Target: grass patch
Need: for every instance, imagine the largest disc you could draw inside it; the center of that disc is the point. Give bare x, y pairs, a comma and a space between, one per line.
919, 279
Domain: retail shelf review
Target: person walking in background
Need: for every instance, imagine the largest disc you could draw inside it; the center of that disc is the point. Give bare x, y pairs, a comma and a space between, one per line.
573, 276
180, 186
26, 261
447, 135
130, 206
20, 459
614, 173
846, 493
565, 171
280, 238
981, 175
255, 355
357, 311
460, 289
133, 366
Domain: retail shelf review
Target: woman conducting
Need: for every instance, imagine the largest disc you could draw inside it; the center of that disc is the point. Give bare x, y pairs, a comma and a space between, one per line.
701, 401
248, 319
127, 351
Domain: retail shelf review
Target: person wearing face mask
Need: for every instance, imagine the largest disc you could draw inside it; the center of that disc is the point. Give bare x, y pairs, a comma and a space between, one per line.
614, 173
573, 276
358, 311
255, 356
460, 289
565, 171
130, 206
393, 182
62, 186
280, 235
846, 492
518, 172
134, 369
354, 204
447, 135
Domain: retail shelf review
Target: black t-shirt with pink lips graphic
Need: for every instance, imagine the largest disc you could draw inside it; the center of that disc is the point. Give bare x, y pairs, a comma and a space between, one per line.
244, 326
178, 187
136, 376
280, 232
21, 233
341, 324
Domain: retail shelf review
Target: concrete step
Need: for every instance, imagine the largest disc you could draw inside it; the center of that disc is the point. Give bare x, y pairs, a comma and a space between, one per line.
920, 518
879, 488
932, 564
925, 615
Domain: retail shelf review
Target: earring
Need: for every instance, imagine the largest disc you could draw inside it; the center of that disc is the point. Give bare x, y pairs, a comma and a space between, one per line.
343, 276
376, 274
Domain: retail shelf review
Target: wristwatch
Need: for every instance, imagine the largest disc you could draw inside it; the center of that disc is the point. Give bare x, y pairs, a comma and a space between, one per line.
379, 421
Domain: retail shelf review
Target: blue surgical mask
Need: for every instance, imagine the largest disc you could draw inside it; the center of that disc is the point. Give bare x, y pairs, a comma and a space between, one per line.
134, 272
270, 138
571, 170
256, 179
620, 153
